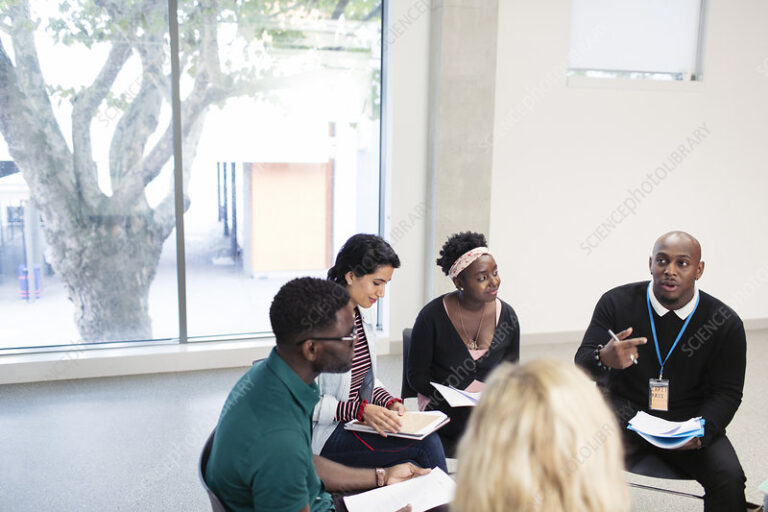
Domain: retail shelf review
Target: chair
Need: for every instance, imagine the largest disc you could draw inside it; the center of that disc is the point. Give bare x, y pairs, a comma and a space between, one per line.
648, 464
216, 505
406, 391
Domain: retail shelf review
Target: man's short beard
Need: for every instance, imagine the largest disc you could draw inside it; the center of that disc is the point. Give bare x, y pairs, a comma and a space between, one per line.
337, 366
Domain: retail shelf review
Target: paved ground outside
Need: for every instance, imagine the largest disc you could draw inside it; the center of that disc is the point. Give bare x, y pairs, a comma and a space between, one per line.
221, 300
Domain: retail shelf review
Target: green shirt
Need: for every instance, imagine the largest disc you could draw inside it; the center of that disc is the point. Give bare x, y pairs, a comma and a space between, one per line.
262, 451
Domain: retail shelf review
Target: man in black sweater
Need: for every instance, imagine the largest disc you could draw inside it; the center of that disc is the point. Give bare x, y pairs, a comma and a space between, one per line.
686, 345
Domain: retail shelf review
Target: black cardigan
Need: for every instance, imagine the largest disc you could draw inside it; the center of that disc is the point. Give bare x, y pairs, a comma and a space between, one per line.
438, 354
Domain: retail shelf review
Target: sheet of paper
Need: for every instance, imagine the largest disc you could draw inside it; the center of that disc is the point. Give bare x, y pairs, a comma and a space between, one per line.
654, 426
422, 493
764, 487
668, 443
456, 397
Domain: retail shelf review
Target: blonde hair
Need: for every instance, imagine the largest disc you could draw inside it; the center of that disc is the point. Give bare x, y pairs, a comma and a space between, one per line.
541, 438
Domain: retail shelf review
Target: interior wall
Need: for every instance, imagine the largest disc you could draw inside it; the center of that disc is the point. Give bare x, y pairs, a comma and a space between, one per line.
406, 117
587, 176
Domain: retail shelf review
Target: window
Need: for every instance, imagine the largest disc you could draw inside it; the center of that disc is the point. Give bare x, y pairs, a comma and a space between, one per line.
280, 113
653, 39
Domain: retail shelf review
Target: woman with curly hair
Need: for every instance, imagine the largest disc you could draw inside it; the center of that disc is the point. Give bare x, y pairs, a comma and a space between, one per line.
364, 266
460, 337
541, 438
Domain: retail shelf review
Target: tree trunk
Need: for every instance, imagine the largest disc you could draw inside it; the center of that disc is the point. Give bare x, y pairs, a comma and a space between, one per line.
116, 255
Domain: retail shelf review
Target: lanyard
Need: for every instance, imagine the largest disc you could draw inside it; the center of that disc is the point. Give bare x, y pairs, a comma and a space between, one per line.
653, 330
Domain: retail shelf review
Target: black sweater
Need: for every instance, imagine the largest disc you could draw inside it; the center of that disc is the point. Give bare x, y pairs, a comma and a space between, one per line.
438, 354
705, 371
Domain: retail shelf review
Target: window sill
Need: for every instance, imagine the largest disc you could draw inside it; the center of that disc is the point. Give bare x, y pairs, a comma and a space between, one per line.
111, 362
627, 84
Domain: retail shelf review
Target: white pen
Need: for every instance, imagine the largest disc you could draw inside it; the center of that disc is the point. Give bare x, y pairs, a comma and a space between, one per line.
615, 338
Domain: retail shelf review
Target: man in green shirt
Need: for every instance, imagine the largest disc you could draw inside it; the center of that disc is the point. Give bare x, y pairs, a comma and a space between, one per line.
262, 451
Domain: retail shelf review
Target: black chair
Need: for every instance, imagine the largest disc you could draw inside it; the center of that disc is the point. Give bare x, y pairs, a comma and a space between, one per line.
216, 505
406, 391
648, 464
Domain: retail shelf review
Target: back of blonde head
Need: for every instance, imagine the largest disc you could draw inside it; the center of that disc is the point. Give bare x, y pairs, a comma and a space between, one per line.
541, 438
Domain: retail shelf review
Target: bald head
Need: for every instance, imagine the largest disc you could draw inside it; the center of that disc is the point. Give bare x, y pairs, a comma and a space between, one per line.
679, 237
675, 265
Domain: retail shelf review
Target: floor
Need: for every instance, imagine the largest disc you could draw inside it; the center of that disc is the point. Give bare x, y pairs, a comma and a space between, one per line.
132, 443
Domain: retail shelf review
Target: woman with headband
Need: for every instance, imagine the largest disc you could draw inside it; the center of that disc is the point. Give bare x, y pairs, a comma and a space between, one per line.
460, 337
364, 266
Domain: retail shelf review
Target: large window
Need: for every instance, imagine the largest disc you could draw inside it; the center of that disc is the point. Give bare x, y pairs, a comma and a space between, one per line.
650, 40
280, 137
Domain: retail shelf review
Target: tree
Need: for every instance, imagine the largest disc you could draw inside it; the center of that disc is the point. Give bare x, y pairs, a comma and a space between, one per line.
106, 247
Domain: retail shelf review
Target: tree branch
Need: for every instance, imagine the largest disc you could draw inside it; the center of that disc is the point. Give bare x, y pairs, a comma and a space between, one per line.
199, 98
84, 107
209, 51
29, 127
29, 79
38, 150
191, 108
136, 125
339, 9
165, 212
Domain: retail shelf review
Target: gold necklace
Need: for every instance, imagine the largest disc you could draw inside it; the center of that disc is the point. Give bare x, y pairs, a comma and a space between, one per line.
472, 342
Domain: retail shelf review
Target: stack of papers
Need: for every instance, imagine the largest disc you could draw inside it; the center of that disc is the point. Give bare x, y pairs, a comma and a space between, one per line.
415, 425
666, 434
422, 493
457, 397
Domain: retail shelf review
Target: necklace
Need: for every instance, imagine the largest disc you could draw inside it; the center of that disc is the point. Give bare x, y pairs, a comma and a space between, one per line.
472, 341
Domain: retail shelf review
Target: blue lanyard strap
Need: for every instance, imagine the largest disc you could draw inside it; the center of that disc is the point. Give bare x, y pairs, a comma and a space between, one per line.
653, 330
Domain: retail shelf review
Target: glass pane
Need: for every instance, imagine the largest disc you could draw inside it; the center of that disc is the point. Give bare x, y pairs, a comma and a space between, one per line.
86, 197
654, 39
284, 166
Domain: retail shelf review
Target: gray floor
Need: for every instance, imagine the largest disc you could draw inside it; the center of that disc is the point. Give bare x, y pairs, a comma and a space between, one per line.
131, 443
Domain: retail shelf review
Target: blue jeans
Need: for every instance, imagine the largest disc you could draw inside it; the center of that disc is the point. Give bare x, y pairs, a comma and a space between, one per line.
358, 449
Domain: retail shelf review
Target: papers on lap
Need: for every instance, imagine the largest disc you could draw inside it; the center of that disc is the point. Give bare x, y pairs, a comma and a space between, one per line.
666, 434
422, 493
415, 425
457, 397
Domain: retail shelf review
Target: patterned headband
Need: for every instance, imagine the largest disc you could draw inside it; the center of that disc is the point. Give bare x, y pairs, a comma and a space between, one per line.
466, 260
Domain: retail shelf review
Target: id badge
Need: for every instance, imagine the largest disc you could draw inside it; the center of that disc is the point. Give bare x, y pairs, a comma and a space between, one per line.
658, 394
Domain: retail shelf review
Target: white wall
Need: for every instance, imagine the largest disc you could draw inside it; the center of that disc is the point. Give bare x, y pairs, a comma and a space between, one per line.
565, 157
407, 104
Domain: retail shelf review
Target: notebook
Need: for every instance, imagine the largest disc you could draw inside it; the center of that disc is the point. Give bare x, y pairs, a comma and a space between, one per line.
415, 424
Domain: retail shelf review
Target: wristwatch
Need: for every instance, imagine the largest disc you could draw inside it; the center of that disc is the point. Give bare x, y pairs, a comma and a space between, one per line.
380, 477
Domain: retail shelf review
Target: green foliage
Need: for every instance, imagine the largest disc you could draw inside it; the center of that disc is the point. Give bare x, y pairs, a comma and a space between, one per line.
61, 94
258, 30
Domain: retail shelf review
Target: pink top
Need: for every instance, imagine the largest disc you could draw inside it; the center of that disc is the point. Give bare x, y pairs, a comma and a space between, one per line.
477, 354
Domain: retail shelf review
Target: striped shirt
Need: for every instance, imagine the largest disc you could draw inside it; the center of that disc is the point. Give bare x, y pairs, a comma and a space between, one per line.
361, 364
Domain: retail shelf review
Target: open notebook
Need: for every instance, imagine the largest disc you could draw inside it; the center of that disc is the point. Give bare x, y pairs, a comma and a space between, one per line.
416, 425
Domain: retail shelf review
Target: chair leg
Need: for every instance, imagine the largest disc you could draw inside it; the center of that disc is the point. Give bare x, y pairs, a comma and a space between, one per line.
668, 491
